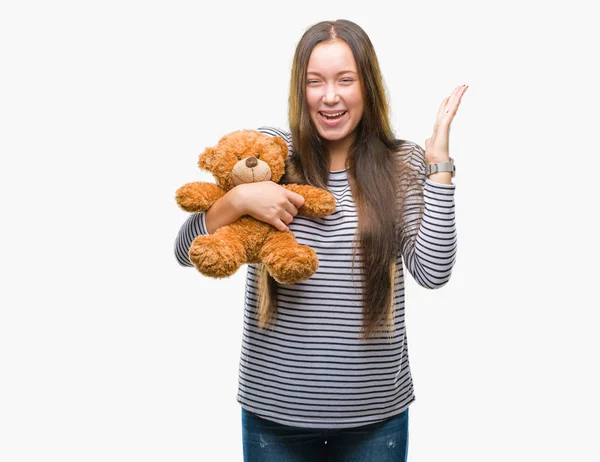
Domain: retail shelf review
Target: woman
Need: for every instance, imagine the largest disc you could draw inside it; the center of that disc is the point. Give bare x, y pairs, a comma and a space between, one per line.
324, 369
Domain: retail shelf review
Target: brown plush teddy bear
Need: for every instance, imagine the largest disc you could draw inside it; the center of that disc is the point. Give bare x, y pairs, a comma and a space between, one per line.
247, 156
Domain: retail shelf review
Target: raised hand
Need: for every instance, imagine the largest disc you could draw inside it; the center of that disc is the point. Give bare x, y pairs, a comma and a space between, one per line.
437, 146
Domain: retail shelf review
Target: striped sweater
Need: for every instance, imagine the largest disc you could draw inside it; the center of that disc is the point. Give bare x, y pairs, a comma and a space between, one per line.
312, 370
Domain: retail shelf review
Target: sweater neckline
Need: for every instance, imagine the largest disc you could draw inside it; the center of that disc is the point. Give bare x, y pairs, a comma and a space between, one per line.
338, 176
338, 172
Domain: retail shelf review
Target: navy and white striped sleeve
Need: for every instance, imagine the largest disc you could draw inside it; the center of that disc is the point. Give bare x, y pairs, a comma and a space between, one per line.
428, 241
193, 227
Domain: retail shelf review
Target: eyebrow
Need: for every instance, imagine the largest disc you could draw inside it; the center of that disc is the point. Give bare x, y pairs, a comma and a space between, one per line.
339, 73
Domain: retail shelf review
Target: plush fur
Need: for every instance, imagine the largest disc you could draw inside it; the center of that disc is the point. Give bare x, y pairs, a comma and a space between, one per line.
248, 156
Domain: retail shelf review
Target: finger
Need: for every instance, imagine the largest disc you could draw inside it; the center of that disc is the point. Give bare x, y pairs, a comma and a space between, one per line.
280, 225
296, 199
286, 217
440, 115
451, 98
462, 92
291, 209
454, 100
443, 107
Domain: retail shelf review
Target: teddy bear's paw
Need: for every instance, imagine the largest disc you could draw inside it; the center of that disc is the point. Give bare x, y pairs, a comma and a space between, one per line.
319, 204
214, 258
292, 265
326, 202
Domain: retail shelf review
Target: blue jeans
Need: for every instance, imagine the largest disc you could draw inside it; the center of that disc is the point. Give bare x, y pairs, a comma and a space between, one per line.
267, 441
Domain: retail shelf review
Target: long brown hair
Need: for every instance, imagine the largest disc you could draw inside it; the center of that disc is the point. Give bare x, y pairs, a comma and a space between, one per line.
373, 172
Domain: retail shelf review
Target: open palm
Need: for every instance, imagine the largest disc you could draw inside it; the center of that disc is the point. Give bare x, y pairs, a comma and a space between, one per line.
437, 146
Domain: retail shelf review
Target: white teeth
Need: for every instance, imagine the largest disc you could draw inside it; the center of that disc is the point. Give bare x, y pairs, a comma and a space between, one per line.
330, 116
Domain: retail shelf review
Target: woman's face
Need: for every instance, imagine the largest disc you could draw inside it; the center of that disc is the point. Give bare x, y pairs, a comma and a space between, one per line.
333, 92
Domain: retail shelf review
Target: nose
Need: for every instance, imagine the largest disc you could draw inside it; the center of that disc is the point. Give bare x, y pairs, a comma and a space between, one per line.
251, 162
331, 96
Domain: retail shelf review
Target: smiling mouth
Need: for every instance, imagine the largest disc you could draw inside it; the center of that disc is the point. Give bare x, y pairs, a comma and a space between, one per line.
335, 116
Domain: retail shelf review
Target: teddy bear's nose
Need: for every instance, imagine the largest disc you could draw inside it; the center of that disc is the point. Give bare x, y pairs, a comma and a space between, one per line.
251, 162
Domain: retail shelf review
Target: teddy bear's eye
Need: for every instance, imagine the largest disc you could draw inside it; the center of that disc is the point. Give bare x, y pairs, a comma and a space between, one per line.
239, 157
258, 156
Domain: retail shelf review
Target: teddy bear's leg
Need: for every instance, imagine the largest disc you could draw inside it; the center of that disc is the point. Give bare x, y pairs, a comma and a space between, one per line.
218, 255
286, 260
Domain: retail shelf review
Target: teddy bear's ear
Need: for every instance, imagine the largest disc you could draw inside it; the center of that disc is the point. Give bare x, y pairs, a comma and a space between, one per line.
280, 142
204, 161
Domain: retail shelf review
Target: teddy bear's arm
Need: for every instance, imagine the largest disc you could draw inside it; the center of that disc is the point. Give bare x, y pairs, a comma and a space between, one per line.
197, 196
318, 203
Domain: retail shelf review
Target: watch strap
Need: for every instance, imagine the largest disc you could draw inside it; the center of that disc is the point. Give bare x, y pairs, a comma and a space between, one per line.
441, 167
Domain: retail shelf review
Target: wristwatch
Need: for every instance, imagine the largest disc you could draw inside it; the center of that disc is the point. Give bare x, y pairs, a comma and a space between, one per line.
441, 167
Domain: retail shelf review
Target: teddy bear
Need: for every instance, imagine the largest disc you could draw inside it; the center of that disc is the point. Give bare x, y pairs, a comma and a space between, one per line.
246, 156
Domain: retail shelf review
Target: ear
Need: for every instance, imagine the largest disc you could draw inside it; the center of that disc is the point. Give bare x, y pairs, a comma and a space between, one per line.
282, 145
205, 159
